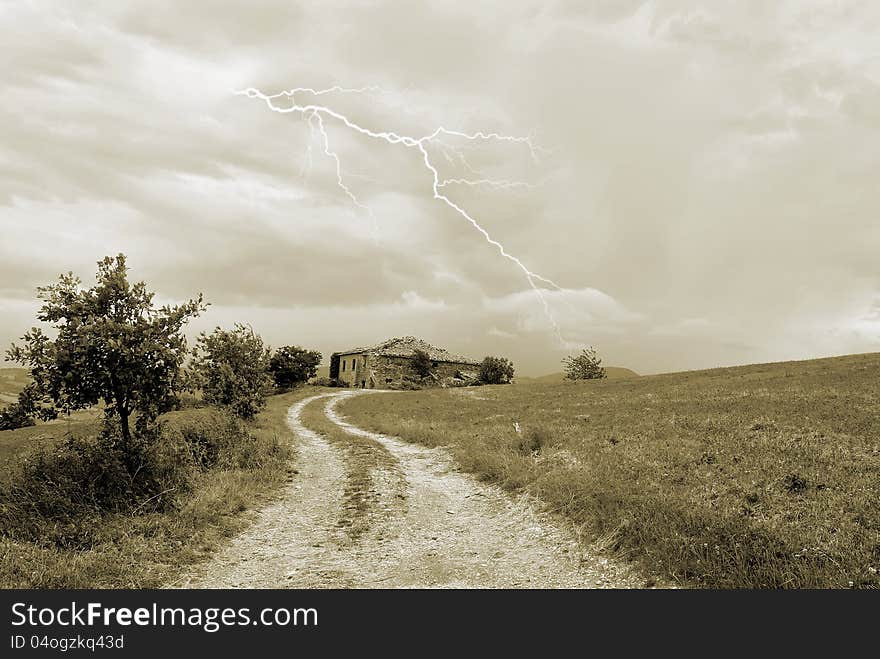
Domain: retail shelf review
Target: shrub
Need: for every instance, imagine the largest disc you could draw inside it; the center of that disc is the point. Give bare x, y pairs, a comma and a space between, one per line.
232, 369
31, 405
54, 497
14, 416
496, 370
59, 497
327, 382
292, 365
586, 366
421, 363
532, 441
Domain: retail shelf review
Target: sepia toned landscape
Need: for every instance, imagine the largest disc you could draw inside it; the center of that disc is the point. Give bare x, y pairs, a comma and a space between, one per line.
535, 295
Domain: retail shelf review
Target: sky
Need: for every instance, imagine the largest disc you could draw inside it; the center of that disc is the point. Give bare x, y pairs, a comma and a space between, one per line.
703, 190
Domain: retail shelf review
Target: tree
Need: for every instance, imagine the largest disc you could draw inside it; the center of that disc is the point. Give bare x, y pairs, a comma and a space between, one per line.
232, 369
30, 405
496, 370
586, 366
292, 365
421, 363
112, 345
15, 416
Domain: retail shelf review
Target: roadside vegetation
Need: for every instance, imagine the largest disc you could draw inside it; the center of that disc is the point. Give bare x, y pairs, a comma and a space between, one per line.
763, 476
154, 452
58, 534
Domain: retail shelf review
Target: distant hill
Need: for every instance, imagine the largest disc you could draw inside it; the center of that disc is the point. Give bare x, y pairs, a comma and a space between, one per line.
12, 380
611, 372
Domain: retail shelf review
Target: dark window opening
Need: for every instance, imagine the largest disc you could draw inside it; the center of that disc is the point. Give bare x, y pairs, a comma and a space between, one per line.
343, 364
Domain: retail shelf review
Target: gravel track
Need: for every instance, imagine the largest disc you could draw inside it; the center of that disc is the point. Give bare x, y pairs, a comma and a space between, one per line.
425, 525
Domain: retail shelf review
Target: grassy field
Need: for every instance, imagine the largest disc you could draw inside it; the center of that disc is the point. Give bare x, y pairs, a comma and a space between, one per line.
611, 372
12, 380
750, 477
151, 550
14, 443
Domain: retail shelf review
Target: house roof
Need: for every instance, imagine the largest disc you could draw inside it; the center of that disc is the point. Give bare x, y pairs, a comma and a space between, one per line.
405, 347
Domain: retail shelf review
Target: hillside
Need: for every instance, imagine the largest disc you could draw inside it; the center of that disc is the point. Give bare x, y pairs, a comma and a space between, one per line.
12, 381
756, 476
611, 373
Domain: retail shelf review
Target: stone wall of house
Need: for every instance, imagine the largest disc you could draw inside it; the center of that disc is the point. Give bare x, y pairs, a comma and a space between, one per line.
389, 372
351, 369
372, 371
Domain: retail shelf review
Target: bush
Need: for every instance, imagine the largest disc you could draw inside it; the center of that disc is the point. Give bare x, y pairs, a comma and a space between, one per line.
54, 497
30, 405
532, 441
421, 363
232, 369
15, 416
59, 497
292, 365
496, 370
586, 366
327, 382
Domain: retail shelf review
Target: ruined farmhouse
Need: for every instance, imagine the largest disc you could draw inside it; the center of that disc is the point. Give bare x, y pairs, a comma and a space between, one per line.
389, 365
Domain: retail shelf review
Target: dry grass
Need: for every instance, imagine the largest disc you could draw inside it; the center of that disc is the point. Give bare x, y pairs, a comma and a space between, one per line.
765, 476
149, 550
14, 444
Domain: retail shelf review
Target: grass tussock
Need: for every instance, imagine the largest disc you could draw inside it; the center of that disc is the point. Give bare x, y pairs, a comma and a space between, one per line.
71, 516
765, 476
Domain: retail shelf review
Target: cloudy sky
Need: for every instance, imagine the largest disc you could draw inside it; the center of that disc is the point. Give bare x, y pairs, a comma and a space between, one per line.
705, 192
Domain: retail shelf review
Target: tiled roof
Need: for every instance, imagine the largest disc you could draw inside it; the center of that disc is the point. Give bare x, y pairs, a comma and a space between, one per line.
405, 347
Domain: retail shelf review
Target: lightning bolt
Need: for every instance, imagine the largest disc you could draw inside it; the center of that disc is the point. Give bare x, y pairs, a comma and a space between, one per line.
493, 183
315, 115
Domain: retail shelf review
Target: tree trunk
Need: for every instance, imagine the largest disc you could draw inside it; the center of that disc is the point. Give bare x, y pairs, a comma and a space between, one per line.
124, 426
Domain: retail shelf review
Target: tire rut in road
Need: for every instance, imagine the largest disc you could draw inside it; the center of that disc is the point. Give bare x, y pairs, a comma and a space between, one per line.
374, 486
292, 537
459, 532
408, 518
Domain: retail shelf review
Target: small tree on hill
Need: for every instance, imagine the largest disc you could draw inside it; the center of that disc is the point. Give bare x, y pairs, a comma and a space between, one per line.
585, 366
496, 370
29, 406
421, 363
13, 417
292, 365
112, 345
232, 369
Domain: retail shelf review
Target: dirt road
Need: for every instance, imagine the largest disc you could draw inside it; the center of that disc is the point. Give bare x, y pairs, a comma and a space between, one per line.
412, 521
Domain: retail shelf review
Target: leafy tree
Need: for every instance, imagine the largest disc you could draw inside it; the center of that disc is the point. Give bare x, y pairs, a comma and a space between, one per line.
232, 369
292, 365
29, 405
112, 345
14, 416
421, 363
585, 366
496, 370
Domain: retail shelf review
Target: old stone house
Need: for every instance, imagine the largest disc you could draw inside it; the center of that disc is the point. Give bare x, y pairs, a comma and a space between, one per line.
388, 365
